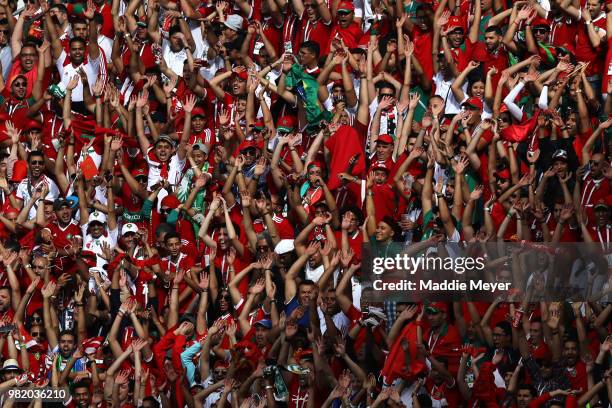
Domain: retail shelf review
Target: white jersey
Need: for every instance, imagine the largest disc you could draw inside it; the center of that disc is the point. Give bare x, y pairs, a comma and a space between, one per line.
95, 245
26, 189
67, 71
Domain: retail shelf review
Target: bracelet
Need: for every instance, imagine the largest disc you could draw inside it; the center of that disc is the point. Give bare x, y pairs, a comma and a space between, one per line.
269, 387
175, 287
588, 22
272, 300
362, 77
205, 290
488, 209
439, 195
78, 304
370, 194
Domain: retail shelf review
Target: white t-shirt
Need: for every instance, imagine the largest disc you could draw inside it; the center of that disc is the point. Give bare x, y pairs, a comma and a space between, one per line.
174, 60
95, 244
67, 71
443, 90
26, 189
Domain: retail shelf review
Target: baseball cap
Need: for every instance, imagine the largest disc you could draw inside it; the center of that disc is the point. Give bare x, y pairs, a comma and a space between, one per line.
165, 138
33, 124
379, 165
170, 201
97, 216
139, 172
386, 139
129, 227
234, 22
197, 112
247, 144
267, 323
474, 102
243, 75
187, 317
201, 147
284, 246
259, 125
541, 22
437, 307
559, 154
285, 124
602, 203
455, 22
61, 202
346, 6
502, 174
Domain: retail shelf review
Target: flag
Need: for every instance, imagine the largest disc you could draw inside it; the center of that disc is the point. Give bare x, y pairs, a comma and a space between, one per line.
307, 89
395, 364
342, 145
88, 166
520, 132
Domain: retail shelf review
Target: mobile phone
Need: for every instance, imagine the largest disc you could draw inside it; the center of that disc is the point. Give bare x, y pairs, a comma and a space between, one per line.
7, 328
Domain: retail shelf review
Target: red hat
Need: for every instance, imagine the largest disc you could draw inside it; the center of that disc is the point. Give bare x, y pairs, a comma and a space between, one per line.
20, 171
384, 139
247, 144
502, 174
221, 364
11, 210
455, 22
346, 6
503, 108
170, 201
437, 307
139, 171
379, 165
603, 203
475, 102
244, 75
259, 124
32, 124
197, 111
286, 124
541, 22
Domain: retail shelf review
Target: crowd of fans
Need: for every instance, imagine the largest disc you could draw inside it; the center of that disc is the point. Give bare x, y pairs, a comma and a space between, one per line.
187, 188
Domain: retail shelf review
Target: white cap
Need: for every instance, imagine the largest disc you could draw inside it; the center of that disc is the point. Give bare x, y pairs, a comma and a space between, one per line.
129, 227
97, 216
234, 22
284, 246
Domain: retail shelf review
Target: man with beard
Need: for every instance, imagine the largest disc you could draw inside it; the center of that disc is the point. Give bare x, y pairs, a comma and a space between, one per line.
496, 55
317, 24
64, 346
80, 395
34, 182
345, 26
61, 232
594, 186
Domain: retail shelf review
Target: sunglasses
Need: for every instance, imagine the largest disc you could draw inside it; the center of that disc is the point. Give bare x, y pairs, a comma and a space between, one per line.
37, 319
540, 31
249, 152
382, 95
37, 162
6, 32
225, 297
262, 248
20, 84
343, 12
165, 210
37, 334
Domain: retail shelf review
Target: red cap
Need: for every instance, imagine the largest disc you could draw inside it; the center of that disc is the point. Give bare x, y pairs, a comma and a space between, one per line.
139, 171
346, 6
503, 108
438, 306
384, 139
259, 124
197, 111
170, 201
286, 124
11, 210
455, 22
379, 165
20, 171
603, 202
542, 22
242, 75
33, 124
502, 174
475, 102
247, 144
